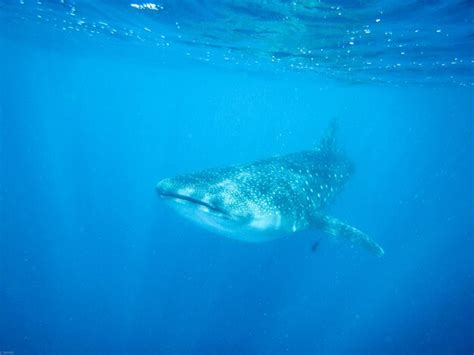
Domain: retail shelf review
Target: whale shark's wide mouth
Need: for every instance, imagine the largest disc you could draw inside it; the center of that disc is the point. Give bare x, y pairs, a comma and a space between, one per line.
179, 197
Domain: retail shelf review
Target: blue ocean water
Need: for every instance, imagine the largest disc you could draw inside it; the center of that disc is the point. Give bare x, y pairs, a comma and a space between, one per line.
101, 100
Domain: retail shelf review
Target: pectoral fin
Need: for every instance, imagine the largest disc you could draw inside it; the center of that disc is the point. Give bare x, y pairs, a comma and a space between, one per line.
340, 229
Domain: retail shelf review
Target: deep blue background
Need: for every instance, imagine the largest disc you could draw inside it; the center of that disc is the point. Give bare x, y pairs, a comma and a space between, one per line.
91, 261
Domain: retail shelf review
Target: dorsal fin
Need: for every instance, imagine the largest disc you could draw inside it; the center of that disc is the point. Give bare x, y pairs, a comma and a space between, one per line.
328, 142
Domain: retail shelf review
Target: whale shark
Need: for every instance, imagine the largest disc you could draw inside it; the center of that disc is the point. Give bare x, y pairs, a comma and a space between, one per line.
269, 198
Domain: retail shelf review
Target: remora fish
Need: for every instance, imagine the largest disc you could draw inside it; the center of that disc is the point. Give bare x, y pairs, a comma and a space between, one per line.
269, 198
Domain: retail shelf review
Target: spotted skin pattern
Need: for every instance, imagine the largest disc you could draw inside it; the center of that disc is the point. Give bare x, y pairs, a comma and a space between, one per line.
269, 198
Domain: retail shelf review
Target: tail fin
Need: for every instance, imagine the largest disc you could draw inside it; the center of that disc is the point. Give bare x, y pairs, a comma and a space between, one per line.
328, 142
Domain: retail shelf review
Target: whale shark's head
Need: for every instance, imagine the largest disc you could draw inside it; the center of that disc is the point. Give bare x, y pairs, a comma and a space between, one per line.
220, 204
